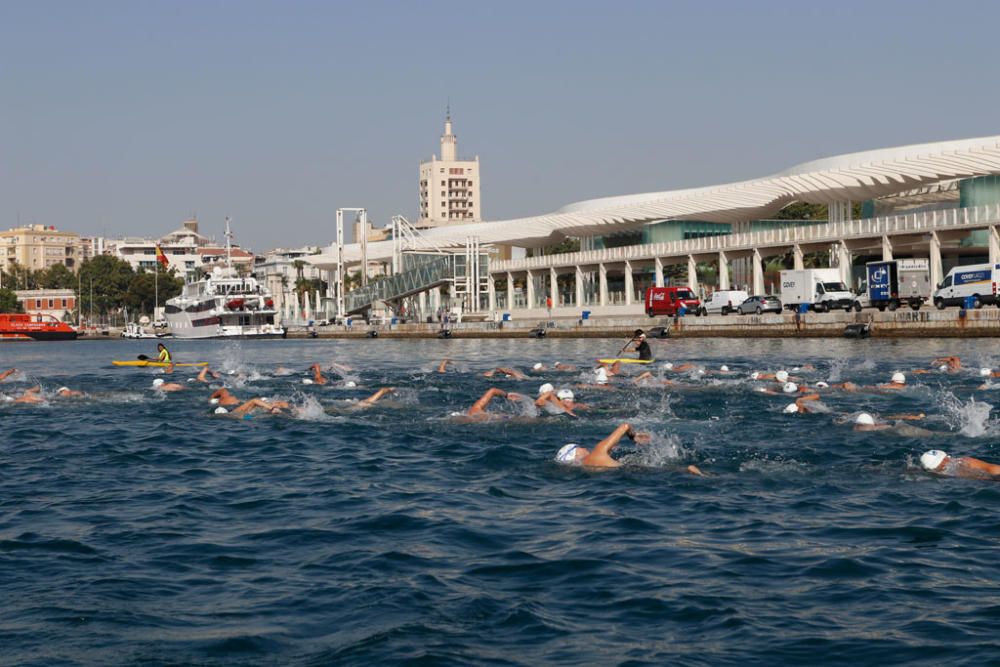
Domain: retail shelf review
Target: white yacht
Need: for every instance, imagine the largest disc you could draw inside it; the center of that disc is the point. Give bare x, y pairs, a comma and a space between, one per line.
223, 304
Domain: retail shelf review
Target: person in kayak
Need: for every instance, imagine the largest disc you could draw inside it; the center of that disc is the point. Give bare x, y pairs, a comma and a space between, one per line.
642, 346
163, 354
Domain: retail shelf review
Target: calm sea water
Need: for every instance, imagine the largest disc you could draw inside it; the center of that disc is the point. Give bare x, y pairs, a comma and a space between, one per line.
139, 528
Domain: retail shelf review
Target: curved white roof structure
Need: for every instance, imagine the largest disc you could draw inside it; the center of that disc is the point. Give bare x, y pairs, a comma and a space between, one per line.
854, 177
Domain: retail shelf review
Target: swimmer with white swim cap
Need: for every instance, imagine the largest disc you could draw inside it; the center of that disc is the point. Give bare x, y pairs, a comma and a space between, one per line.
160, 385
801, 404
546, 388
941, 463
539, 366
223, 397
600, 455
66, 392
205, 373
564, 368
255, 404
563, 400
601, 380
31, 396
898, 381
317, 377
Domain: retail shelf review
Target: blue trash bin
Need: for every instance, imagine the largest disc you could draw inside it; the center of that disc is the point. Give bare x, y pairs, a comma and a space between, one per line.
803, 308
348, 321
585, 315
969, 303
393, 321
506, 317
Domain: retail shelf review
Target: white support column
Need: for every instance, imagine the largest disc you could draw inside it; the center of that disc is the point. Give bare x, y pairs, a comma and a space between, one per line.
491, 294
934, 251
554, 287
757, 272
628, 283
435, 297
529, 288
422, 304
723, 271
602, 274
798, 263
692, 274
510, 291
844, 263
994, 235
578, 284
658, 272
886, 249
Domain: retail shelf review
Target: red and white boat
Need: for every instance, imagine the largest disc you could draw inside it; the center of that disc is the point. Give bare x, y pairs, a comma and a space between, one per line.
20, 326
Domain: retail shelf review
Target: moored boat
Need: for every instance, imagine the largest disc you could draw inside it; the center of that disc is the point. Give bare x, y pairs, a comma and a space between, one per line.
36, 326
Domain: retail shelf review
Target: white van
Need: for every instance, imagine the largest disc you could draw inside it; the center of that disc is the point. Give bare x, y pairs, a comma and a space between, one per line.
974, 280
723, 302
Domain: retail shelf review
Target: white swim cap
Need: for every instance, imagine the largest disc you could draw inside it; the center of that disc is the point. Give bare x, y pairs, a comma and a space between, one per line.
350, 384
306, 381
796, 369
602, 376
864, 419
62, 389
724, 368
943, 367
985, 372
822, 385
781, 376
762, 390
791, 407
754, 375
545, 388
537, 367
700, 371
221, 410
157, 382
565, 395
898, 378
567, 454
668, 365
790, 388
932, 459
213, 401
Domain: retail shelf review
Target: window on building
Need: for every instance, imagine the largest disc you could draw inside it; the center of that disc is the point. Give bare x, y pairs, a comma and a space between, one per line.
64, 303
52, 304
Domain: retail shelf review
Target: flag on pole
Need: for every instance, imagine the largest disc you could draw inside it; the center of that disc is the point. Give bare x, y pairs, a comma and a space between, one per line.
160, 257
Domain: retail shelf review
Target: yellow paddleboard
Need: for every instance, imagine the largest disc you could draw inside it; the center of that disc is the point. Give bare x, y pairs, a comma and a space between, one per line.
155, 364
625, 361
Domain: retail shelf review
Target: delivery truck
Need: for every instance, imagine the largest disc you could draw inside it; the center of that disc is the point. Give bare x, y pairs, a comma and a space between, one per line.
819, 289
671, 301
893, 283
975, 282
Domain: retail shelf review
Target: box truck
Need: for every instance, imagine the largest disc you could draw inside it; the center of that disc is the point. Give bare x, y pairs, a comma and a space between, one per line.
977, 282
820, 289
895, 282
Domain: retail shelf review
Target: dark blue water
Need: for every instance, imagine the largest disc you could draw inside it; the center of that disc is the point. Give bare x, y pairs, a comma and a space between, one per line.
139, 528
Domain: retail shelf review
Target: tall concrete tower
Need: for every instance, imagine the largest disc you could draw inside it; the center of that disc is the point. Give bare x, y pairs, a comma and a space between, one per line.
449, 187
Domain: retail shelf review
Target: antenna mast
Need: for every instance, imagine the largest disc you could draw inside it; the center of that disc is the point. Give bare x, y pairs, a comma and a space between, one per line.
229, 252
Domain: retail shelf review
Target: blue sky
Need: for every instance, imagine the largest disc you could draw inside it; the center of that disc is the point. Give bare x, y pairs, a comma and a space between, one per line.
125, 117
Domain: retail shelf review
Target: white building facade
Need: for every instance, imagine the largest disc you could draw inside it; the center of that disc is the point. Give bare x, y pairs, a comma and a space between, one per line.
449, 186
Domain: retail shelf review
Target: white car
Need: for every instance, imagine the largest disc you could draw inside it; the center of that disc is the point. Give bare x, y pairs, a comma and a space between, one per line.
723, 302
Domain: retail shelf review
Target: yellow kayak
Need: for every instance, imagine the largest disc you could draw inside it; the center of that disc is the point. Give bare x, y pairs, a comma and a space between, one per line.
155, 364
625, 361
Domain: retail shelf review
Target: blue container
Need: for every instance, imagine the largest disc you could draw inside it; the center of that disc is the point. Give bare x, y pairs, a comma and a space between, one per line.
803, 308
394, 320
970, 303
585, 315
348, 321
506, 317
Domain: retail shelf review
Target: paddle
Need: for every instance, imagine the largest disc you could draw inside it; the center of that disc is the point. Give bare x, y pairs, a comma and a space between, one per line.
142, 357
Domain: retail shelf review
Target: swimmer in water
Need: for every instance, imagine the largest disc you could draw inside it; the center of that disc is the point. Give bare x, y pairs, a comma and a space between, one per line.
6, 374
547, 396
506, 372
374, 398
478, 409
318, 377
205, 373
600, 455
801, 404
866, 422
897, 382
600, 380
443, 366
940, 463
223, 397
564, 368
160, 385
30, 396
254, 404
66, 392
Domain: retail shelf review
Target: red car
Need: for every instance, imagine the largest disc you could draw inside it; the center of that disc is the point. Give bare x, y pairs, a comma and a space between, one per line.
668, 300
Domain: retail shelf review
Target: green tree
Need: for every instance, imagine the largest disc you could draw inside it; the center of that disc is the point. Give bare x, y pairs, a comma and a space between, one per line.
56, 276
800, 210
144, 288
110, 278
8, 301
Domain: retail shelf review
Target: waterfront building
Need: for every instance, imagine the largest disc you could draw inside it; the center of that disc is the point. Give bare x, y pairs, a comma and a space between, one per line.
939, 201
185, 249
449, 186
59, 303
37, 247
